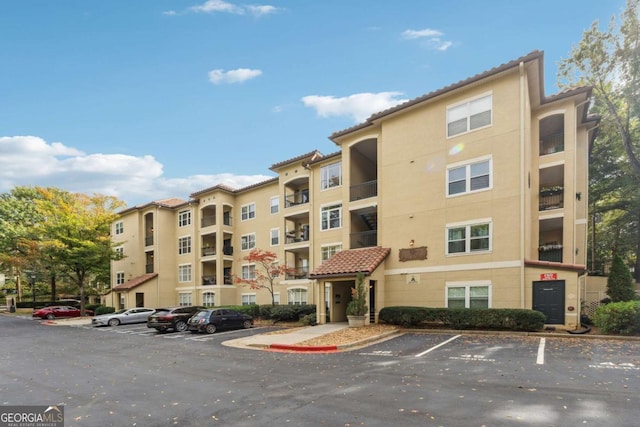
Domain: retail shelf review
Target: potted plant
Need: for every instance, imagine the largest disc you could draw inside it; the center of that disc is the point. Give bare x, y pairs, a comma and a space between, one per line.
357, 307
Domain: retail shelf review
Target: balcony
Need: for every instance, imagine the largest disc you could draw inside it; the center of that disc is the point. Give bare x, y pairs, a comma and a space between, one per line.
363, 191
550, 252
551, 198
227, 250
208, 251
364, 239
148, 268
148, 241
208, 221
551, 144
297, 273
299, 198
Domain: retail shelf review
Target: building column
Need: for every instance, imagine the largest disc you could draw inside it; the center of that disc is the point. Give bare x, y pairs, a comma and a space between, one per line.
321, 311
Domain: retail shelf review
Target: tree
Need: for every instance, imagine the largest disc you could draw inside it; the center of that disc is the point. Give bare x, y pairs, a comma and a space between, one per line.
267, 271
609, 61
75, 234
619, 282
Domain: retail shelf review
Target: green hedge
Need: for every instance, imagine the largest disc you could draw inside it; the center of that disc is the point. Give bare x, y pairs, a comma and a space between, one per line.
285, 313
466, 318
618, 318
103, 309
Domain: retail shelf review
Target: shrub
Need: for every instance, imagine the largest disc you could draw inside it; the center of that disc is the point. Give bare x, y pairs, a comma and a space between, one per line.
618, 318
309, 320
466, 318
620, 282
104, 309
93, 307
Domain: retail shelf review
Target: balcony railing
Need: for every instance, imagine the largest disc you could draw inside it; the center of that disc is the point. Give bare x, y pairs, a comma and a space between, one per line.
226, 220
552, 144
552, 253
551, 200
148, 268
148, 241
364, 190
208, 251
208, 280
296, 199
208, 221
364, 239
297, 273
227, 250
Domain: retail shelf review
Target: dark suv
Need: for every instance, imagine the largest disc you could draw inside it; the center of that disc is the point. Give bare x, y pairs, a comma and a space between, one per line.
172, 318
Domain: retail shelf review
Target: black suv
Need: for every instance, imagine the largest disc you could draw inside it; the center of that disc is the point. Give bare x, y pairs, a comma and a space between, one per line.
172, 318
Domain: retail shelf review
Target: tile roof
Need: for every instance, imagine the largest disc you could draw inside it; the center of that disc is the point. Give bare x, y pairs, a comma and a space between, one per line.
312, 155
132, 283
351, 261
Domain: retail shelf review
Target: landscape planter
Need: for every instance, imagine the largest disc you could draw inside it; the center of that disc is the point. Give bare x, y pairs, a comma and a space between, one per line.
356, 321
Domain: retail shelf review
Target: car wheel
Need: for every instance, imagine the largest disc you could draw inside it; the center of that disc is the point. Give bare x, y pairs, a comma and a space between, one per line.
246, 324
181, 326
210, 328
114, 322
50, 316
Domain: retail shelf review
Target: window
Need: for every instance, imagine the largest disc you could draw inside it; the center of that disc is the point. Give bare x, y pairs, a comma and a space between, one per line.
119, 226
119, 252
184, 273
275, 236
184, 218
276, 298
184, 298
331, 217
469, 178
248, 211
184, 245
119, 277
249, 272
209, 299
329, 251
468, 238
248, 241
331, 176
468, 296
275, 204
469, 116
248, 299
297, 296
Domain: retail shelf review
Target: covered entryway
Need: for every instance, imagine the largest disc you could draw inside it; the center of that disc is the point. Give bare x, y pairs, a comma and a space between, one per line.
548, 298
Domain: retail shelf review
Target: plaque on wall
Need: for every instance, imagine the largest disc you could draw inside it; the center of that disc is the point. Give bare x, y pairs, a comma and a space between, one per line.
413, 254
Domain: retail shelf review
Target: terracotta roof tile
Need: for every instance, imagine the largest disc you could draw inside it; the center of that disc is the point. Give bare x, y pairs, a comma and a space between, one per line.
307, 156
351, 261
132, 283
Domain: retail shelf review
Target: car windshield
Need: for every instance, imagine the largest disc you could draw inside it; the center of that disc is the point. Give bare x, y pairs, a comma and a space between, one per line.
120, 311
200, 314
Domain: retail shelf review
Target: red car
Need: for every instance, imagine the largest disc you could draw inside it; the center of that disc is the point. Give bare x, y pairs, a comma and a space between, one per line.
56, 311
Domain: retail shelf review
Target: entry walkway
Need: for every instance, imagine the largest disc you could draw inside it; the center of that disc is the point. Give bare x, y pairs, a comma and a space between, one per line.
289, 340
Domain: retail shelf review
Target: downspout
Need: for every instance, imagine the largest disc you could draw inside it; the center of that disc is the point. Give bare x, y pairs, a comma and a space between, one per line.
522, 185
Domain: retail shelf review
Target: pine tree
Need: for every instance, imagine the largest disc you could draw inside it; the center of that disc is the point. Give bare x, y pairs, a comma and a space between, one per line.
620, 283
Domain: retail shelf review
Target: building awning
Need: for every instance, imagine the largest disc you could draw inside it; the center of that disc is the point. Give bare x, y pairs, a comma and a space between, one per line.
132, 283
350, 262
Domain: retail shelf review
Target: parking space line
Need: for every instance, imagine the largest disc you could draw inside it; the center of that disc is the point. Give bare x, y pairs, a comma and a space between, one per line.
540, 359
437, 346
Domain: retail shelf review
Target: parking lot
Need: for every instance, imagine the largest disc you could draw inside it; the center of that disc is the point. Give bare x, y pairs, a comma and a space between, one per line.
115, 375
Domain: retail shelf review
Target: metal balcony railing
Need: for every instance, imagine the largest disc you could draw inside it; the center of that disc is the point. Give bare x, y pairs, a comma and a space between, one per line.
297, 273
552, 144
208, 221
552, 255
364, 190
551, 200
148, 241
364, 239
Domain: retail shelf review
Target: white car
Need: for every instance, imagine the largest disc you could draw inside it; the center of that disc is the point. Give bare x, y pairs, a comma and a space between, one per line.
120, 317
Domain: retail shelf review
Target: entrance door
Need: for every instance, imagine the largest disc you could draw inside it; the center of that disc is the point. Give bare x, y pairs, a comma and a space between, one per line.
548, 298
139, 299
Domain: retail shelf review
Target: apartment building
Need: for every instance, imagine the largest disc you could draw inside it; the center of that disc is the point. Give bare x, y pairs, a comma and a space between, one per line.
473, 195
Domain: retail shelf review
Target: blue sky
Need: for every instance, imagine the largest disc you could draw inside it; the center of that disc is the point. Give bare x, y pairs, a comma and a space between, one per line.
150, 99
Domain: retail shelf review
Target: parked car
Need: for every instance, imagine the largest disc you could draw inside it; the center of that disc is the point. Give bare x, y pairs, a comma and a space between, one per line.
172, 318
126, 315
213, 319
56, 311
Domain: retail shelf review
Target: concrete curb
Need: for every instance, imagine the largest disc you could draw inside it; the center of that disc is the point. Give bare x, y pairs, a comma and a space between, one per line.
330, 348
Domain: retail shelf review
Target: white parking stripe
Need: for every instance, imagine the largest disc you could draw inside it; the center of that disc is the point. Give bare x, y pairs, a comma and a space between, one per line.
540, 359
438, 346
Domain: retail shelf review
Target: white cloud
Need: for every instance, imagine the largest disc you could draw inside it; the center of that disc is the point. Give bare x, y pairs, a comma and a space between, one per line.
232, 76
169, 12
358, 106
429, 38
31, 161
221, 6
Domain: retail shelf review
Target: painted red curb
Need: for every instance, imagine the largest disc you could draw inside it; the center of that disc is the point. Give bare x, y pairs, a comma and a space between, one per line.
303, 348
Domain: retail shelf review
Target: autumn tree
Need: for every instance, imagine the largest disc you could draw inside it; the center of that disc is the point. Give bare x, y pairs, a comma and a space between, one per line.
75, 234
609, 61
263, 271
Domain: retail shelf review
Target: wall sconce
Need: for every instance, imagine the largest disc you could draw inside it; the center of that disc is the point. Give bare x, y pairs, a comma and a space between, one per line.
578, 196
411, 242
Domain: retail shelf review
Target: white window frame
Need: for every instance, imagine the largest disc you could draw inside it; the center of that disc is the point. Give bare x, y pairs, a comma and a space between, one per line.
184, 273
468, 178
248, 271
328, 175
119, 278
468, 238
327, 209
274, 205
327, 251
467, 286
276, 298
209, 299
294, 296
466, 110
184, 245
119, 251
248, 241
274, 237
185, 299
248, 299
184, 218
248, 211
119, 228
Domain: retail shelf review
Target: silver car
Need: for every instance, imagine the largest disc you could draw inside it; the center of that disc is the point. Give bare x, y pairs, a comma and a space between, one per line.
120, 317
